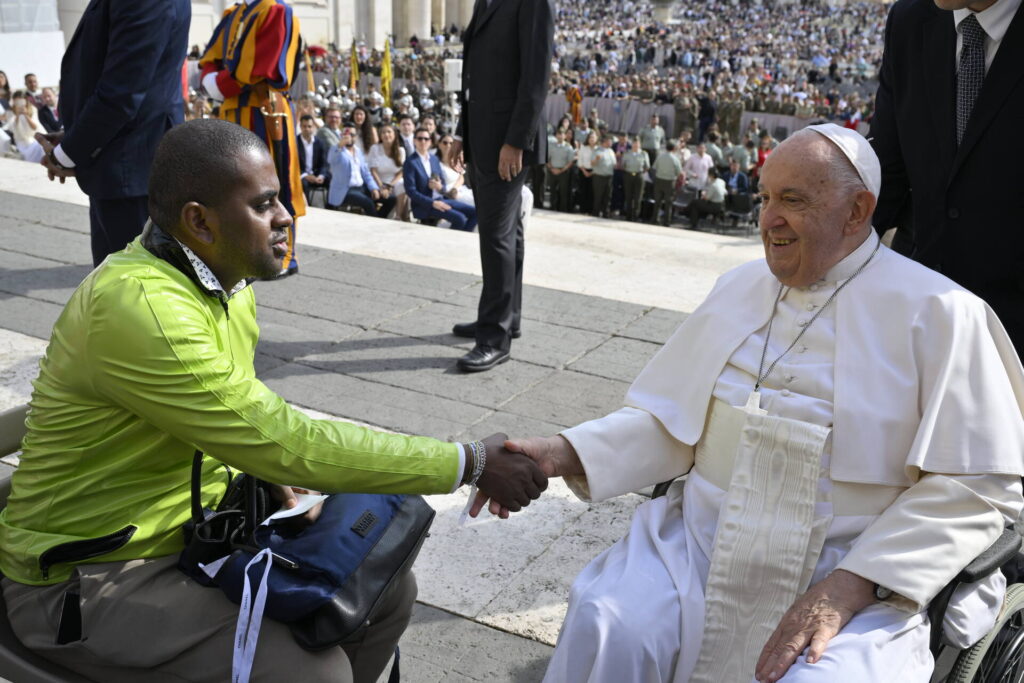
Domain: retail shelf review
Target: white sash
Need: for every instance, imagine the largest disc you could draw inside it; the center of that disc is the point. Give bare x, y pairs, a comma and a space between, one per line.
767, 541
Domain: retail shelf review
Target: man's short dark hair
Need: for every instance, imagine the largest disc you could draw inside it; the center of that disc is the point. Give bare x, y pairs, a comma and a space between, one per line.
670, 145
404, 117
306, 117
196, 161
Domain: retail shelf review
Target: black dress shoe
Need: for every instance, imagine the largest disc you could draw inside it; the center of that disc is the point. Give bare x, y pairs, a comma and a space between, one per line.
482, 358
468, 330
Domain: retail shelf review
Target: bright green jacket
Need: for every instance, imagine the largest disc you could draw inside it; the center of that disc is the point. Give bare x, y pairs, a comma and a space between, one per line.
144, 366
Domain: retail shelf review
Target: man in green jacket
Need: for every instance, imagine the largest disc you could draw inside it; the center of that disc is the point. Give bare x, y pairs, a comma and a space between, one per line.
151, 360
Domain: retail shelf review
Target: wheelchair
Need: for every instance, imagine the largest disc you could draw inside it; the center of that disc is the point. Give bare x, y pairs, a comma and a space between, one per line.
999, 656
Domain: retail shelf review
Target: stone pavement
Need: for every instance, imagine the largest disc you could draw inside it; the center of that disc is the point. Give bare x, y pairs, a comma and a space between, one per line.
362, 334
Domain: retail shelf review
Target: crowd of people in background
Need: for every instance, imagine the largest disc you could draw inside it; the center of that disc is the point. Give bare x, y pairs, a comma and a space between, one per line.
711, 62
24, 112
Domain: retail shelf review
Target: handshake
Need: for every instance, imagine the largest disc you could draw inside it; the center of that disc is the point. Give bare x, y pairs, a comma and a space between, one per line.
514, 472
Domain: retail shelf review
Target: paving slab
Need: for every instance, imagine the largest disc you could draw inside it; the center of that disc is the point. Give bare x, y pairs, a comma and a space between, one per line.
28, 209
618, 358
44, 241
657, 325
28, 316
568, 398
288, 335
387, 275
373, 403
428, 368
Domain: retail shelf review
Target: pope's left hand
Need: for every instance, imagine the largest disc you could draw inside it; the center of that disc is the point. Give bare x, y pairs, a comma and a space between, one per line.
813, 620
510, 162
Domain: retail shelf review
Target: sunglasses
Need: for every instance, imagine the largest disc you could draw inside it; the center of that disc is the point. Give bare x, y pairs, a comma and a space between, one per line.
420, 137
445, 142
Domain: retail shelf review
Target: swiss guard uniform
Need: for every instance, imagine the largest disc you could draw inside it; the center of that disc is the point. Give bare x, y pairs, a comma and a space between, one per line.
250, 62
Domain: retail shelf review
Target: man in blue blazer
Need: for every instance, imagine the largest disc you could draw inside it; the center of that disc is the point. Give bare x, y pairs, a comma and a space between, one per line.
352, 184
312, 157
120, 92
427, 192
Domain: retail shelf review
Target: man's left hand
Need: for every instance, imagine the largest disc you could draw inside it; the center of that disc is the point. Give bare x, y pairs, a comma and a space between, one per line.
48, 142
813, 620
375, 194
287, 496
510, 162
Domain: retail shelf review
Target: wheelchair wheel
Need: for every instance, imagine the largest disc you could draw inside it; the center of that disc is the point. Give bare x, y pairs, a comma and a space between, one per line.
999, 656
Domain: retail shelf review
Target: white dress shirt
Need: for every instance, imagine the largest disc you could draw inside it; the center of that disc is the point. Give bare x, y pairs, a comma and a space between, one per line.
307, 158
994, 21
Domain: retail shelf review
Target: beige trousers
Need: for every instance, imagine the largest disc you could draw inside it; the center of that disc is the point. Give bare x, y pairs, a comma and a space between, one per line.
146, 620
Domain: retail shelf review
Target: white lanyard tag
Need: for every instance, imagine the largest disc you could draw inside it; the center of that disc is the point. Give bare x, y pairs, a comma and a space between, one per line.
753, 406
247, 630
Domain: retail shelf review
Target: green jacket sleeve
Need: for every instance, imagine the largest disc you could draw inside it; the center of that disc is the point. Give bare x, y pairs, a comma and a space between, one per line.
176, 361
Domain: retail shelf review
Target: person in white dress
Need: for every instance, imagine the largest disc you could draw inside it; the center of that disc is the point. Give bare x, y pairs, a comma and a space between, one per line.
849, 424
385, 161
22, 122
455, 179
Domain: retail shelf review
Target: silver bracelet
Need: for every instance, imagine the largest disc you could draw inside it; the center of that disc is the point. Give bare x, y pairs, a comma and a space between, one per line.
479, 460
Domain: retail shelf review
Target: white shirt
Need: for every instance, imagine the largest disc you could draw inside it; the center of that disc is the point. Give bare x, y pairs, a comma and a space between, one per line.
696, 169
355, 179
994, 21
307, 163
425, 161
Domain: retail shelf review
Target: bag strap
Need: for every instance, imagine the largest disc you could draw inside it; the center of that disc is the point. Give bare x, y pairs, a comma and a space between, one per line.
197, 486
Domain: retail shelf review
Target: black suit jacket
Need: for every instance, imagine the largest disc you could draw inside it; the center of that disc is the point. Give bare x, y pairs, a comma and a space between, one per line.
507, 51
50, 122
959, 210
320, 167
121, 91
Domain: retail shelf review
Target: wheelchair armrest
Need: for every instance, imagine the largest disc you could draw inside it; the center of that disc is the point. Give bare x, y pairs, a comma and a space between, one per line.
999, 553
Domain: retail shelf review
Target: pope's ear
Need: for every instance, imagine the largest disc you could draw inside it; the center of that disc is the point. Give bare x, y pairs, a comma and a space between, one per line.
195, 222
861, 210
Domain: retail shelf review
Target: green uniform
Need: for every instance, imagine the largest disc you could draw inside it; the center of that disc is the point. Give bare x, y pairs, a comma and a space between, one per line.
144, 366
634, 167
604, 167
667, 168
559, 156
651, 140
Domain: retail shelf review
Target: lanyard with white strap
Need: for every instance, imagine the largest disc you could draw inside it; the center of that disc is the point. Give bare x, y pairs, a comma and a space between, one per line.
250, 616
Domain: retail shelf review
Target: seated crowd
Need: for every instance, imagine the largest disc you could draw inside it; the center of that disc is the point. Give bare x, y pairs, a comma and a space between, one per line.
23, 113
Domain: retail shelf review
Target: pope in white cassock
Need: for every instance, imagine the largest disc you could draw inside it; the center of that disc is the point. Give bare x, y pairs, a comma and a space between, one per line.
850, 423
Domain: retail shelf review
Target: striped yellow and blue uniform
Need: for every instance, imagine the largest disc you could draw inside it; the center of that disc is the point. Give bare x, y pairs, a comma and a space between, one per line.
255, 47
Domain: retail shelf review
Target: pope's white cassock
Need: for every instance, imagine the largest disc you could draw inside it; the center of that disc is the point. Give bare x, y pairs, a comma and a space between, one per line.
888, 442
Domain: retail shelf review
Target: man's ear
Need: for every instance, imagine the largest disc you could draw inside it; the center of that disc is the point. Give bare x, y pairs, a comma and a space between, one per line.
861, 210
196, 222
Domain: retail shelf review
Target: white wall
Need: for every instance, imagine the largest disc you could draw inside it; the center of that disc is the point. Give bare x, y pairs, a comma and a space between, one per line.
31, 52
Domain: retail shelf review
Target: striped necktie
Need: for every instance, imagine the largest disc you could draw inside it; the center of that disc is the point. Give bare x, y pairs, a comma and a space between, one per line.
971, 72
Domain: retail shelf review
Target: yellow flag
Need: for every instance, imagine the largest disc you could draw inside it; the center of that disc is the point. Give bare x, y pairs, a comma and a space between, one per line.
353, 77
385, 74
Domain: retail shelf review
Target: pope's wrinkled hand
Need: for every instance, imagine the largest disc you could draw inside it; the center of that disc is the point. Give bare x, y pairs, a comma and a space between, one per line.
813, 620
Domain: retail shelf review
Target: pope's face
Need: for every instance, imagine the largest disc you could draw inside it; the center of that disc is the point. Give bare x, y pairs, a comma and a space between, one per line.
803, 215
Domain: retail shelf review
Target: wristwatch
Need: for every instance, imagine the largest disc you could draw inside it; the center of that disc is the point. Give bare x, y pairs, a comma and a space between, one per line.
882, 593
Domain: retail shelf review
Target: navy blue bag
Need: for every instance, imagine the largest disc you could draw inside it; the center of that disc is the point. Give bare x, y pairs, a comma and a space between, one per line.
327, 578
